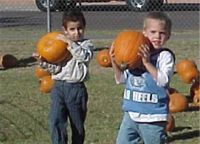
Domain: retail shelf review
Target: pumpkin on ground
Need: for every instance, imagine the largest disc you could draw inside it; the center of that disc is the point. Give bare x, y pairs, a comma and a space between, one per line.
126, 47
170, 123
187, 70
46, 84
177, 102
52, 49
103, 58
40, 72
7, 61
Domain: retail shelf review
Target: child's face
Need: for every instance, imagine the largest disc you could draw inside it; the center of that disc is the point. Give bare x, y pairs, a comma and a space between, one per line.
74, 30
156, 31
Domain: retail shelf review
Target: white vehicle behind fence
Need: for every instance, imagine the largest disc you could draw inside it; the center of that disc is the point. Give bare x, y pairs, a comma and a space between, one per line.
136, 5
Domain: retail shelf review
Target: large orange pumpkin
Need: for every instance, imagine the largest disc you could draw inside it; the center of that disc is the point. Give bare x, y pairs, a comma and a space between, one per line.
170, 123
187, 70
52, 49
103, 58
126, 47
46, 84
177, 102
40, 72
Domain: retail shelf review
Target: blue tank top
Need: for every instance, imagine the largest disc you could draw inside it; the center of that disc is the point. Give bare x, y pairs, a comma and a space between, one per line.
142, 94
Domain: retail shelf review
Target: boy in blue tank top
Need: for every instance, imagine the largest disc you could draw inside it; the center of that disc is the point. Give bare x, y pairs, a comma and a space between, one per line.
145, 100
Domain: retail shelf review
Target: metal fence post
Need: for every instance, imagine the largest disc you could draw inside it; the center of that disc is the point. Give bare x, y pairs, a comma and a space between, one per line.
48, 16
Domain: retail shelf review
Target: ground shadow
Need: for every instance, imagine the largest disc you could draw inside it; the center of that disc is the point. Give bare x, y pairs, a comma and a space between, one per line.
26, 62
184, 135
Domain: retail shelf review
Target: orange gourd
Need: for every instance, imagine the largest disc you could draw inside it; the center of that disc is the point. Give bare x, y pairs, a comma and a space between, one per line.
177, 102
103, 58
51, 49
170, 123
40, 72
187, 70
46, 84
126, 46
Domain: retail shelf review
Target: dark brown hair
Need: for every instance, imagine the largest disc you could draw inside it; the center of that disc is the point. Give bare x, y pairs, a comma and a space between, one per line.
73, 15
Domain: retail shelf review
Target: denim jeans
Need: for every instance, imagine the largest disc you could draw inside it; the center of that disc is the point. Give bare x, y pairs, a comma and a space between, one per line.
132, 132
68, 101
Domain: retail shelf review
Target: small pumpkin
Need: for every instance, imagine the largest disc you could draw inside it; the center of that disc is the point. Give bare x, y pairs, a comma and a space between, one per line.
126, 47
103, 58
40, 72
196, 98
177, 102
170, 123
52, 49
189, 76
187, 70
46, 84
7, 61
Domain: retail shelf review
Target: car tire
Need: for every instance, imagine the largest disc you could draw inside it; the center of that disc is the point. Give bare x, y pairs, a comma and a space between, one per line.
42, 4
144, 5
67, 4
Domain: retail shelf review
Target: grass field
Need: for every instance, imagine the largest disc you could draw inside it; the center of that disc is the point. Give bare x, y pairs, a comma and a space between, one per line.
24, 110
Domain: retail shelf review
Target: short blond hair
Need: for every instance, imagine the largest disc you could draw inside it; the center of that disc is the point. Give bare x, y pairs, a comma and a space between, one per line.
159, 16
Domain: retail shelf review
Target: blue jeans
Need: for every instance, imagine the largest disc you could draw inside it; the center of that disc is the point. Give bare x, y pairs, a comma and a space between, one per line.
68, 100
132, 132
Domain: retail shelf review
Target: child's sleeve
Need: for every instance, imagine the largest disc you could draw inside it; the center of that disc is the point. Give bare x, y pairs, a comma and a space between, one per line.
52, 68
82, 52
165, 68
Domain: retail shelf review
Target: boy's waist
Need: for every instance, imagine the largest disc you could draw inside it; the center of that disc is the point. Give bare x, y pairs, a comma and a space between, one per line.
69, 82
138, 117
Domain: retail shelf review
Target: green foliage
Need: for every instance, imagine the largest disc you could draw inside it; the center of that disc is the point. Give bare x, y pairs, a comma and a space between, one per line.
24, 110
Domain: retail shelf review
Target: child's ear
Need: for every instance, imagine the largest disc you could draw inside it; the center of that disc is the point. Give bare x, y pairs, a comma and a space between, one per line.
144, 33
64, 30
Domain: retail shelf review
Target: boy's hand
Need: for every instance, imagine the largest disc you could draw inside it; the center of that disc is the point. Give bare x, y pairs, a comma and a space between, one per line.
37, 56
64, 38
144, 52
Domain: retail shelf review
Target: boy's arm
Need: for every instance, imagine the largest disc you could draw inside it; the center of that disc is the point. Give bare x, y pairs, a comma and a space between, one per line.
165, 68
52, 68
117, 71
164, 72
145, 55
83, 51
